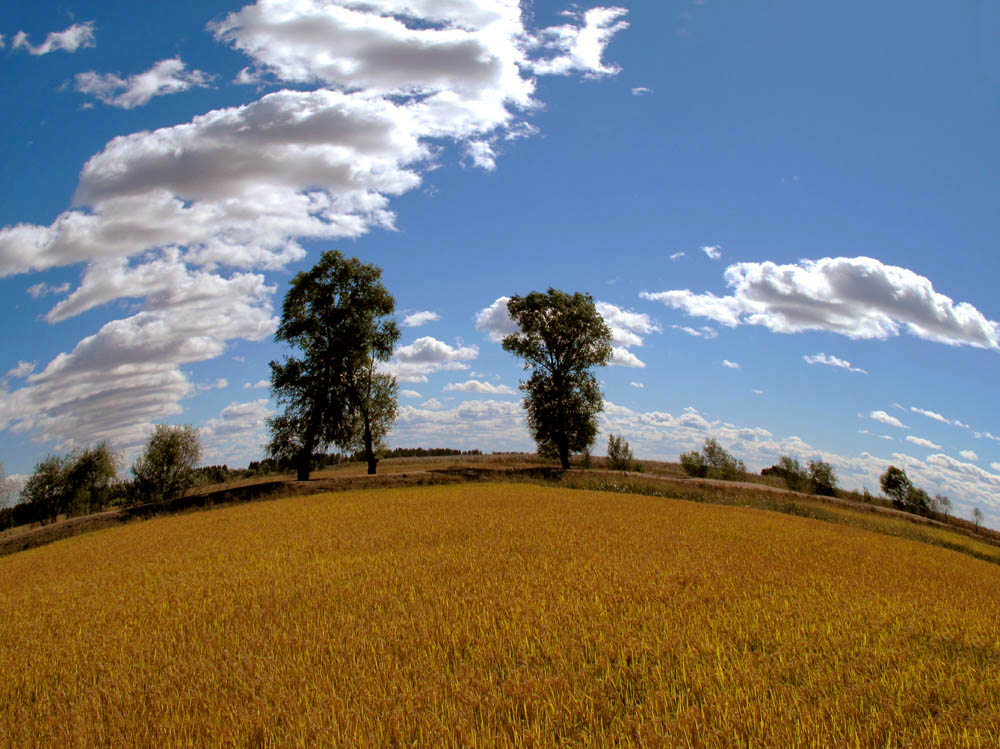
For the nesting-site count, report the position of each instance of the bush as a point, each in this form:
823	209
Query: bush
165	470
713	462
791	472
619	454
47	489
822	479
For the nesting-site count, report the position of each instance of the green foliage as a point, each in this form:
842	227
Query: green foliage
90	476
713	462
165	470
561	338
822	479
791	472
338	314
47	489
896	485
619	454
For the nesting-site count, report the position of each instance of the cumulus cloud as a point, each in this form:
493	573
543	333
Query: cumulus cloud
410	394
831	361
237	434
476	386
922	442
420	318
730	364
165	77
472	424
495	320
370	91
68	40
995	466
856	297
259	385
887	419
969	454
713	251
427	355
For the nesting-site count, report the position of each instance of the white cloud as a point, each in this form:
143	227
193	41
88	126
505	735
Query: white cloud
68	40
641	91
22	370
856	297
581	47
220	384
2	43
730	364
938	417
259	385
922	442
622	357
713	251
887	419
627	326
995	466
475	386
969	454
158	213
495	320
472	424
428	355
165	77
706	332
637	385
757	392
420	318
433	404
831	361
410	394
43	289
237	435
677	255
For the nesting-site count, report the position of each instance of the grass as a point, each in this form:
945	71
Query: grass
497	614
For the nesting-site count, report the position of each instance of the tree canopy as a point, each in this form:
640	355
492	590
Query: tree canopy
562	336
339	316
165	470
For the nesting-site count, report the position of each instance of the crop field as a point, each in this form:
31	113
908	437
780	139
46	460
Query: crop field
497	614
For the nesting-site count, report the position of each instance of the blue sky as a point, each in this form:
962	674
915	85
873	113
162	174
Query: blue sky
788	215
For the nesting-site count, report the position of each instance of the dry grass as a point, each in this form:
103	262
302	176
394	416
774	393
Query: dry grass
496	614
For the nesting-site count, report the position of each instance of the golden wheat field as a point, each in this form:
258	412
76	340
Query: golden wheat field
483	615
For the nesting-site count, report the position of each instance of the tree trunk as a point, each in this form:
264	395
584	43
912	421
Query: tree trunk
564	454
304	461
369	452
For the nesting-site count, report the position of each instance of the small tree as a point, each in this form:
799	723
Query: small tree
89	477
822	479
165	469
977	517
47	489
942	504
562	337
619	454
918	501
896	485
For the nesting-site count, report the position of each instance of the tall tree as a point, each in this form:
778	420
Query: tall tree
339	315
165	470
562	337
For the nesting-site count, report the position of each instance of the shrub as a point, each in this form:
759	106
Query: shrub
791	472
714	462
619	454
